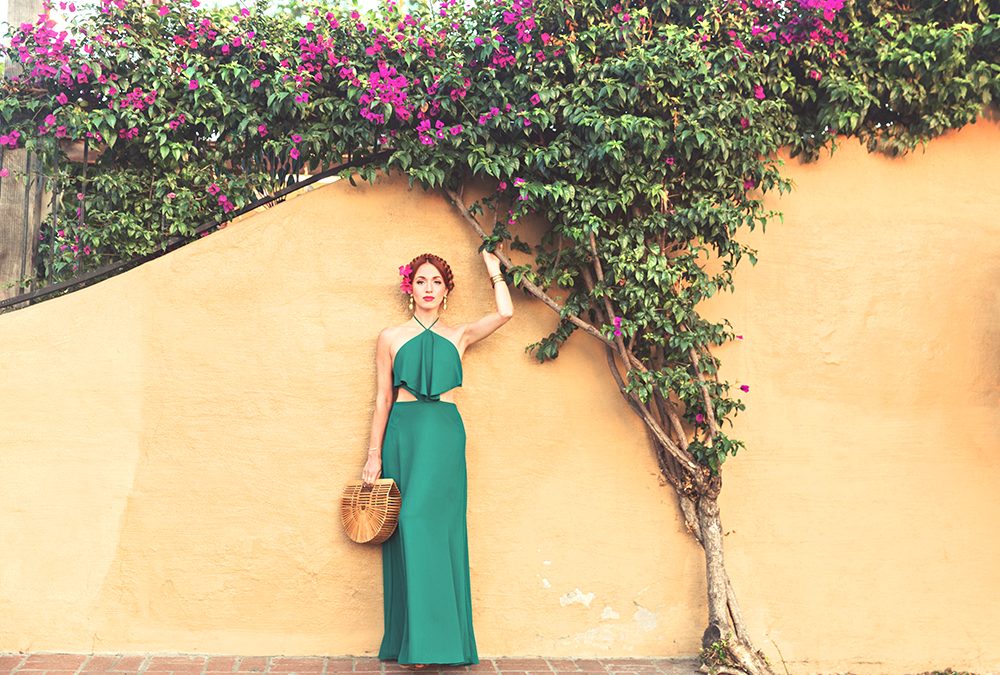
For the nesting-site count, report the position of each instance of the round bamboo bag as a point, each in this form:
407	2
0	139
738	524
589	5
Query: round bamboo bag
369	514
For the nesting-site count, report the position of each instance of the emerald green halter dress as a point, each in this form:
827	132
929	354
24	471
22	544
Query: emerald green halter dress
425	563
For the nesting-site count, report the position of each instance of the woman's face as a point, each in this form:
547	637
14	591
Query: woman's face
428	286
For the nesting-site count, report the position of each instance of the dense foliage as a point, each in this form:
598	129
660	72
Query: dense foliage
643	132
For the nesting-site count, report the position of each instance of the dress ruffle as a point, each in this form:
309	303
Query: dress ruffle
427	365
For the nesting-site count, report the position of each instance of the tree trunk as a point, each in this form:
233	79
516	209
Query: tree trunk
725	643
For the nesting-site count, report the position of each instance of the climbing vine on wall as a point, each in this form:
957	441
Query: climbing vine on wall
644	133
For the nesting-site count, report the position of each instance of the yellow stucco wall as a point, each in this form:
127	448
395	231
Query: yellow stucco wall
175	439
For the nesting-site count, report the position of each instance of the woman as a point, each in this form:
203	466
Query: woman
425	563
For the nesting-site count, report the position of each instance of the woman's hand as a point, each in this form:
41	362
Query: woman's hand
491	260
373	467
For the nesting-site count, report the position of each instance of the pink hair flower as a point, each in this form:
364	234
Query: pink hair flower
745	387
405	286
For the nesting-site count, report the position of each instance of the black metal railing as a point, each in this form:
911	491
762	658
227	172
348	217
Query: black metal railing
33	194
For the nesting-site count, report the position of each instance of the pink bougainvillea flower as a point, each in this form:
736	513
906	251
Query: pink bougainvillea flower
294	153
4	172
62	98
193	84
255	84
296	138
518	181
171	195
262	129
502	186
405	271
535	99
758	91
670	160
699	418
164	10
213	189
745	387
744	122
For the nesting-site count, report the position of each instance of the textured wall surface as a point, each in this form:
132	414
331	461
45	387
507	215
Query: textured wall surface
175	439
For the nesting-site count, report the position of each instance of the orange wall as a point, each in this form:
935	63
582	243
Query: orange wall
175	439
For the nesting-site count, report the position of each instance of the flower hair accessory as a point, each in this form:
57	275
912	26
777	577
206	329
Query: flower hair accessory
405	285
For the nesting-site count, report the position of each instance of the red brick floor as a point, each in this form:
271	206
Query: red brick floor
189	664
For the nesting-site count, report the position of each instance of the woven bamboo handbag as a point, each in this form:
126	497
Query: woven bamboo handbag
370	514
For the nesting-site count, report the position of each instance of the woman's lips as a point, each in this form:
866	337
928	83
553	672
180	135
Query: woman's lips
428	297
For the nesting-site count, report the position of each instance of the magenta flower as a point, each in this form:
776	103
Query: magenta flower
739	337
535	99
405	271
699	418
62	98
617	321
4	172
744	122
670	160
758	91
255	84
518	181
262	130
296	138
164	10
171	195
502	186
213	189
745	387
294	153
193	84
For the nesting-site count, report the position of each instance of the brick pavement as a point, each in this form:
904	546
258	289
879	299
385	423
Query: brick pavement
192	664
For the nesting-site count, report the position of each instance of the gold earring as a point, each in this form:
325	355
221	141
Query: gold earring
411	302
445	303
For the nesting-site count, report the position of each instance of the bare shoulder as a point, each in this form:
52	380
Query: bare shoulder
389	334
452	331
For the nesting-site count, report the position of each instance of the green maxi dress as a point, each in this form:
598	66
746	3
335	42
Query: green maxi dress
425	563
